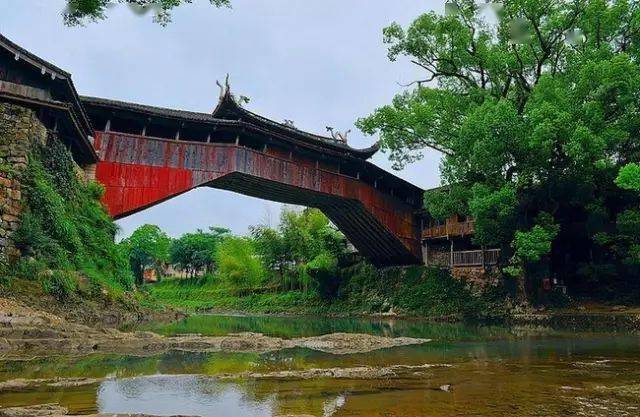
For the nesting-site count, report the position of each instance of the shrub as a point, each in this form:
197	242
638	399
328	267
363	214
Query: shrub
323	272
64	225
61	284
435	293
238	263
28	268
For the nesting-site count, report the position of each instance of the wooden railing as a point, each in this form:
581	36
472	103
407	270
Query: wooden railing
476	257
465	258
449	229
434	232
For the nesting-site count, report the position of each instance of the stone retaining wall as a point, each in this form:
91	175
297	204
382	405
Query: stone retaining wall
20	131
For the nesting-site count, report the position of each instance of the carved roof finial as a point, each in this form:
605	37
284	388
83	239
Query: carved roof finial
224	89
337	135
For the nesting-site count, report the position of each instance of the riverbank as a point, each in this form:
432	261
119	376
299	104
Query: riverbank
424	292
192	297
97	309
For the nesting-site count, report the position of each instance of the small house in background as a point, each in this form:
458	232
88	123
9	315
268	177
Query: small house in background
150	275
448	243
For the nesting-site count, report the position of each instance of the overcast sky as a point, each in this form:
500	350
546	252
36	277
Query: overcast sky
317	62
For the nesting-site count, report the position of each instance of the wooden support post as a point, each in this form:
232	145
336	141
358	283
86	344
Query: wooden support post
290	154
375	183
178	134
144	130
209	138
358	175
426	255
317	164
451	253
237	140
107	126
264	148
55	125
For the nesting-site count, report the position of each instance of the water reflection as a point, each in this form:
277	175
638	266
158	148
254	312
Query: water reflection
179	395
304	326
495	372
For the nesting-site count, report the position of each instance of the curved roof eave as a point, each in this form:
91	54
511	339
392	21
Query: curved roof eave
227	104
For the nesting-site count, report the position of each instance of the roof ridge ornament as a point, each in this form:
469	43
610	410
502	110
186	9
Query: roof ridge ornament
289	123
225	91
337	135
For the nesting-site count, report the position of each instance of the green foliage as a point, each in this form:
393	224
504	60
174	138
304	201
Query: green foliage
301	237
64	226
541	120
29	268
442	203
434	293
495	214
196	251
59	283
147	247
532	245
237	262
628	222
323	271
80	11
629	177
273	250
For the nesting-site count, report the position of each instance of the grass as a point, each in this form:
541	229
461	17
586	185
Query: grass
197	294
414	291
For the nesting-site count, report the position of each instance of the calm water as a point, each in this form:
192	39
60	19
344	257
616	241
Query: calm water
494	371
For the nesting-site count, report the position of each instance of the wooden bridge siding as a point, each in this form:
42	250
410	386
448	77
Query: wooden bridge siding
139	172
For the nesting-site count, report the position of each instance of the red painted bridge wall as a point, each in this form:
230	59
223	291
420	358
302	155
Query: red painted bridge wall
139	172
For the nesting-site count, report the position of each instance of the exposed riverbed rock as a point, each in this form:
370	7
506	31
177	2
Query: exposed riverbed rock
55	410
21	384
25	332
357	372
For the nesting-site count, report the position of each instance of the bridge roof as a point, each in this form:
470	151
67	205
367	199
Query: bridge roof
228	112
228	108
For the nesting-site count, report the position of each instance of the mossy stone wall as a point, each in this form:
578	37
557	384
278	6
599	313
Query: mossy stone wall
20	132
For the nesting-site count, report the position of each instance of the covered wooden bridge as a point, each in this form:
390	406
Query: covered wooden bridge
150	154
145	155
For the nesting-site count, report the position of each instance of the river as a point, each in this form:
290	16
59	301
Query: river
464	371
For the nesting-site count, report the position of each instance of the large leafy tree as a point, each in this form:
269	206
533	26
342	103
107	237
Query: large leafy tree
194	252
78	12
534	106
147	247
303	243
